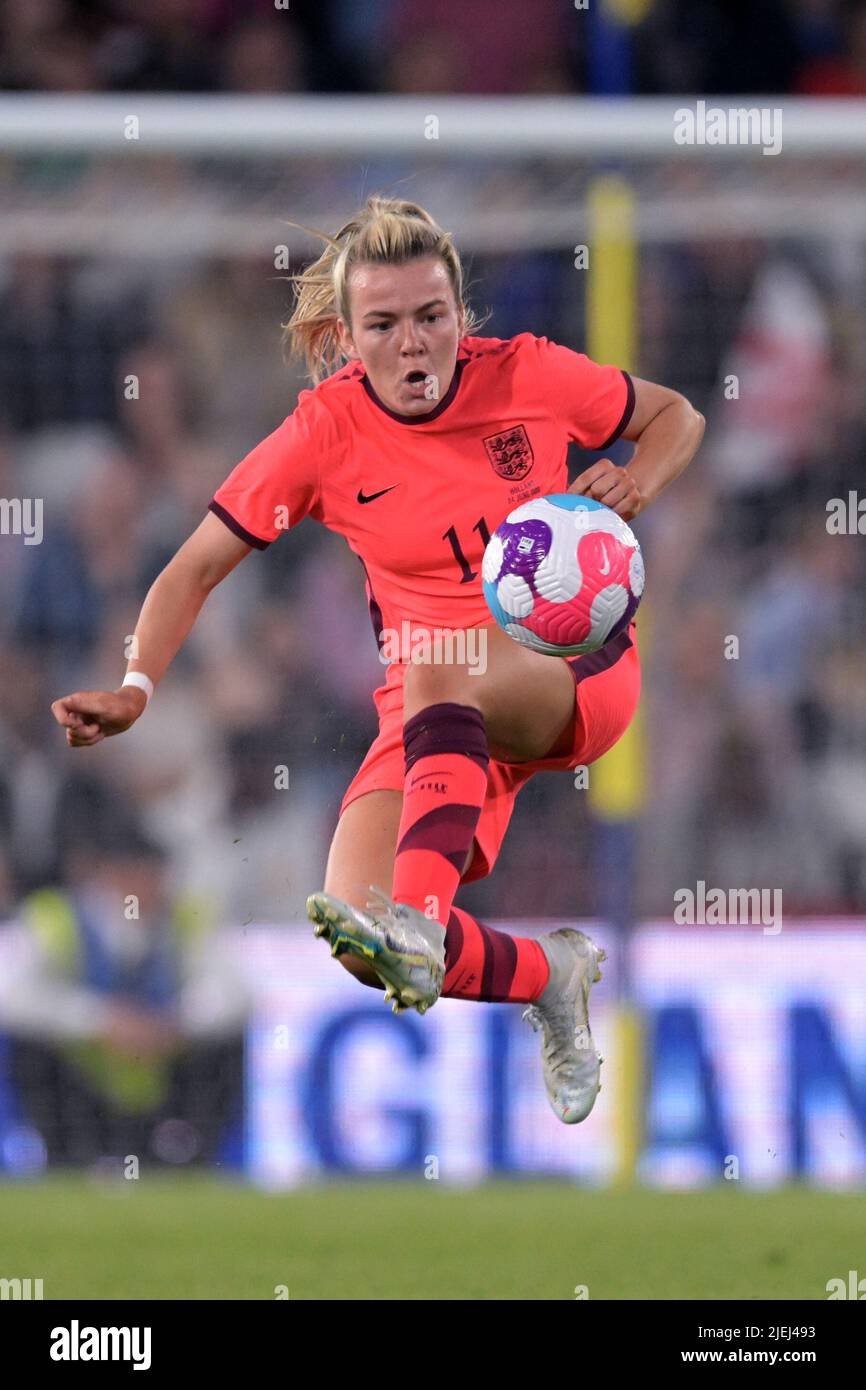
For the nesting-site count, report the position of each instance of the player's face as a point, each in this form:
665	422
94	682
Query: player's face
405	329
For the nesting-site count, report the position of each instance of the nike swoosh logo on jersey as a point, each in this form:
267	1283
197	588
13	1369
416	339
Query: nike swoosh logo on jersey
373	495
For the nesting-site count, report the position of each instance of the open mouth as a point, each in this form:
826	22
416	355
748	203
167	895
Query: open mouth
414	378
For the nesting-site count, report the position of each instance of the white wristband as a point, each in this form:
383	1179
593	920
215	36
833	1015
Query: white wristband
139	679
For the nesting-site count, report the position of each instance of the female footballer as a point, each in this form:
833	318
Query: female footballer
415	442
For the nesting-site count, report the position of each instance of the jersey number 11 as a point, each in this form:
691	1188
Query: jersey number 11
468	574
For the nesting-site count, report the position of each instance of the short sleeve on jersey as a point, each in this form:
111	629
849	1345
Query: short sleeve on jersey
276	485
594	403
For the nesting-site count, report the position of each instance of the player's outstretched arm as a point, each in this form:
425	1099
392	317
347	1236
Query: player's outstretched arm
167	615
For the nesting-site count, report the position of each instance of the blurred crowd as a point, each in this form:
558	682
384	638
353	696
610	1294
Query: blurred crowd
124	407
414	46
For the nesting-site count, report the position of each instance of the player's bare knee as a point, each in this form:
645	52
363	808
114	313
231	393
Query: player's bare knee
428	684
433	684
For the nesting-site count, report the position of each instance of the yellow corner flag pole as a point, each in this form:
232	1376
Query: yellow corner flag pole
617	787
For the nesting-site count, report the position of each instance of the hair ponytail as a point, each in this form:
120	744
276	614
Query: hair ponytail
386	231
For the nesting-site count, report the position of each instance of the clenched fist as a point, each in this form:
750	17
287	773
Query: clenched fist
89	716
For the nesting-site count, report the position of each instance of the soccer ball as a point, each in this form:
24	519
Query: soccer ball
563	574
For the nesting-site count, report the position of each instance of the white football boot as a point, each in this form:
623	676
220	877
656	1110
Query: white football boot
571	1064
405	948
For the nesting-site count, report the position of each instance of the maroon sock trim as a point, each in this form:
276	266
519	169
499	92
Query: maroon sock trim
453	942
500	963
436	831
446	728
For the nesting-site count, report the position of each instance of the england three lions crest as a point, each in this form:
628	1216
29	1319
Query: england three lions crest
510	453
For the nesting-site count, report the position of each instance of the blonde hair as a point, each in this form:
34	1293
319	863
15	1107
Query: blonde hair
386	231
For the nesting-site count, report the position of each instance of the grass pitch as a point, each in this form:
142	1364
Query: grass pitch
200	1238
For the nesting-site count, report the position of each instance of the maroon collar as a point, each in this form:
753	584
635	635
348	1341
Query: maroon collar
432	414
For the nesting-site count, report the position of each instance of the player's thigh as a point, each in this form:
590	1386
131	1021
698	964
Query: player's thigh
527	699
